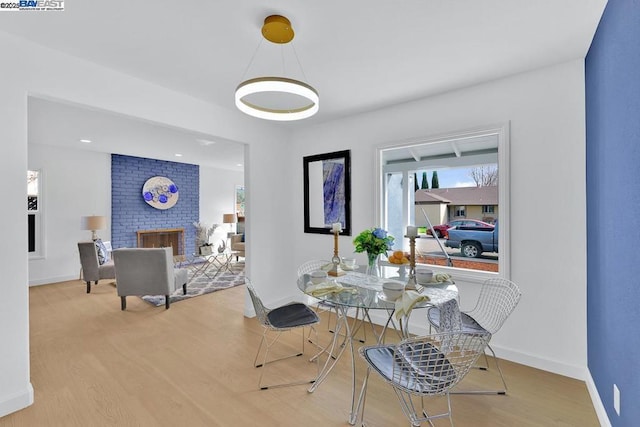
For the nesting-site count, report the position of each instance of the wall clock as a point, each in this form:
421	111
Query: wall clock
160	192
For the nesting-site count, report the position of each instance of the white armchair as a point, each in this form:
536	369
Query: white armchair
147	271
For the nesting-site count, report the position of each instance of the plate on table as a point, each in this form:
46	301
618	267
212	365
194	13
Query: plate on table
354	268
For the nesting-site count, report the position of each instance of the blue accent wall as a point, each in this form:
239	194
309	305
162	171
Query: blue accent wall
129	211
613	215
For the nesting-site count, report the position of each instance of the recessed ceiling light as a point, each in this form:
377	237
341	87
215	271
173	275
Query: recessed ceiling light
239	164
86	141
178	155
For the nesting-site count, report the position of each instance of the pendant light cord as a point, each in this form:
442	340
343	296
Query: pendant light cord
304	77
255	52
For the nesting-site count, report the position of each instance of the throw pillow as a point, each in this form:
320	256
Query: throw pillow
103	255
242	239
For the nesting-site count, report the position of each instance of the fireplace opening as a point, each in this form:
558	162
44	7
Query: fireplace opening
163	238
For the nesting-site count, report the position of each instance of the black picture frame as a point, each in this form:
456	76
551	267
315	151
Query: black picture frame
314	197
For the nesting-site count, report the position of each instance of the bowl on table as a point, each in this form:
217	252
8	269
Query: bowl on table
392	290
350	263
318	276
424	276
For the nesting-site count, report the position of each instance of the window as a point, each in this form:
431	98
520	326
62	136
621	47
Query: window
34	214
434	181
487	209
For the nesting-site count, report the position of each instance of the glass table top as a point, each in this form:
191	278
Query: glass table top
364	291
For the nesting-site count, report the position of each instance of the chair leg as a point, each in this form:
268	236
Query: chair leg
504	383
167	302
123	303
419	415
268	344
184	289
88	287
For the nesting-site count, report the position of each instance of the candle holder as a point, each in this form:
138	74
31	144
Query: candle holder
335	270
411	282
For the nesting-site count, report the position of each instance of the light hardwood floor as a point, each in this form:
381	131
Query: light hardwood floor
191	365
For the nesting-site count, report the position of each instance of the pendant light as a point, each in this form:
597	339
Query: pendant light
277	98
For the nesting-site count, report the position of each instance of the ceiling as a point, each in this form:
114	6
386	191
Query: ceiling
66	125
360	55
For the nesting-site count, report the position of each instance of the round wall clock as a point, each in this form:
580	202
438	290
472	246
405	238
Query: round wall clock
160	192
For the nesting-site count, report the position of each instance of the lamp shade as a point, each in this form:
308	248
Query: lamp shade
95	222
229	218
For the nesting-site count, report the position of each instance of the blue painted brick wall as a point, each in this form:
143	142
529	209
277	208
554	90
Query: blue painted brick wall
129	211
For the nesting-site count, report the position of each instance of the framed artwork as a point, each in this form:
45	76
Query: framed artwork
327	192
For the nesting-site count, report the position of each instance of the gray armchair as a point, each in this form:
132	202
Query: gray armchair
92	271
147	271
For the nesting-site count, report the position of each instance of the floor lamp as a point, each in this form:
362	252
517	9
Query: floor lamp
230	219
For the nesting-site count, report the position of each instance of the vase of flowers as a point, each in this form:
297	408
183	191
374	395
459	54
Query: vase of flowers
203	233
374	241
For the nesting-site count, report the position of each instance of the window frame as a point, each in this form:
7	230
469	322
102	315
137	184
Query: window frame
39	252
488	209
502	132
460	211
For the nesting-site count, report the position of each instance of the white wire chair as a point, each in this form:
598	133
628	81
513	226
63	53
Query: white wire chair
324	306
277	320
497	300
420	367
321	306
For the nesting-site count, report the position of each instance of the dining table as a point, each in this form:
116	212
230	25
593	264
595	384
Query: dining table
355	290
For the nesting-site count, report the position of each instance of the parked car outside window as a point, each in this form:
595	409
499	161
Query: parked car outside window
441	229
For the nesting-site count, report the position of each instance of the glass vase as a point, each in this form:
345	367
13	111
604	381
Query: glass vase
373	267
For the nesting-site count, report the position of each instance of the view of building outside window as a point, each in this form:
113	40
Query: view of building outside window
448	192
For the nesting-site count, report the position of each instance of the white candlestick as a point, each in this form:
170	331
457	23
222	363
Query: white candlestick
336	227
412	231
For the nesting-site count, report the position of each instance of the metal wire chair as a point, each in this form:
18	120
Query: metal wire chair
324	306
425	366
497	300
281	319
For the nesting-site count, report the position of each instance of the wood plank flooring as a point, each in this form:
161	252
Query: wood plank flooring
192	365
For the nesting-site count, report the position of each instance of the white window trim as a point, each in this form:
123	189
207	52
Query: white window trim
502	131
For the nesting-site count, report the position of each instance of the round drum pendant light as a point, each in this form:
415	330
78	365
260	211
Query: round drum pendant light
277	98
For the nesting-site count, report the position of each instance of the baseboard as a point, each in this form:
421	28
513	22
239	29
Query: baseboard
49	280
601	412
549	365
17	402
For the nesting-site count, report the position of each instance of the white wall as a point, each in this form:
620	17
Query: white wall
77	183
72	79
546	112
217	197
15	389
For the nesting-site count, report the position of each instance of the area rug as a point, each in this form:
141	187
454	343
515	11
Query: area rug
203	285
